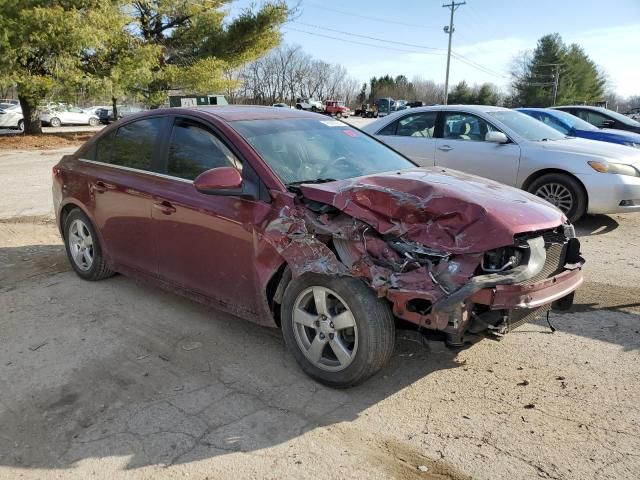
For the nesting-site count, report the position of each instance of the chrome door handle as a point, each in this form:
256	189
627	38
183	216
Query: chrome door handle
165	207
99	187
445	148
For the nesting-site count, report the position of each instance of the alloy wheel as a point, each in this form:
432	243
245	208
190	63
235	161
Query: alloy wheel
81	245
557	195
325	329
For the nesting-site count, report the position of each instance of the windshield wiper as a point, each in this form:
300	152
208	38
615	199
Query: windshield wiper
314	180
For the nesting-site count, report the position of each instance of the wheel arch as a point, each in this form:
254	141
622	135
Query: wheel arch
536	175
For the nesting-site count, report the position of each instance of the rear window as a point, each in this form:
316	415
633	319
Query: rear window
134	143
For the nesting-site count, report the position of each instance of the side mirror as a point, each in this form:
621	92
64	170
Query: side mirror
496	137
219	181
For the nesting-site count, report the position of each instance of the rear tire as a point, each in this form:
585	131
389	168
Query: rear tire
83	247
357	325
94	122
55	122
21	125
562	191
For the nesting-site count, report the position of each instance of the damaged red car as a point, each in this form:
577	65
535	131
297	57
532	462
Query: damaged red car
290	219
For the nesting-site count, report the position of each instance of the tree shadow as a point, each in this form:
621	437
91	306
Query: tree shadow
120	369
595	225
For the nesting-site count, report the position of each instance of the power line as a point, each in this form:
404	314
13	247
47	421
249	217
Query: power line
476	65
368	17
368	37
287	27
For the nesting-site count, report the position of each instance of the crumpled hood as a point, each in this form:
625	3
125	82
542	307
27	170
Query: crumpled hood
440	208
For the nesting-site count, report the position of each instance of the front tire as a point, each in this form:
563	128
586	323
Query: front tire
21	125
339	332
55	122
83	247
94	122
563	191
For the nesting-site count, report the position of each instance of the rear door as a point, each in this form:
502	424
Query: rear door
206	242
124	175
462	146
413	135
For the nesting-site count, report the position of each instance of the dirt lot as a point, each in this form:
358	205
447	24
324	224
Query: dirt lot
119	380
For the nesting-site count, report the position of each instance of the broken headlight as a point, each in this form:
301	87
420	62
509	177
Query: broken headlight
501	259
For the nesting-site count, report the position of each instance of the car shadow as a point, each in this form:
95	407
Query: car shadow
595	225
119	368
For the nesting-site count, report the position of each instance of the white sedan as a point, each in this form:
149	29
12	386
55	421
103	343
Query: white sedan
65	115
576	175
11	116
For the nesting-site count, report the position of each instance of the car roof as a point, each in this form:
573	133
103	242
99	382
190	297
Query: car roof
232	113
466	108
587	107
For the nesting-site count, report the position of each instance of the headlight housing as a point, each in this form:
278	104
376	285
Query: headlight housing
615	168
632	144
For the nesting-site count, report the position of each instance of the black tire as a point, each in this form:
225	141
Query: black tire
314	109
21	125
94	122
99	268
571	184
373	319
55	122
298	106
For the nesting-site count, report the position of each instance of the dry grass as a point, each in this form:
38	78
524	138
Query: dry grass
47	141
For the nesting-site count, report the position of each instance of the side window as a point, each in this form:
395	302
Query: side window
134	143
598	119
583	114
464	126
103	148
417	125
194	149
389	129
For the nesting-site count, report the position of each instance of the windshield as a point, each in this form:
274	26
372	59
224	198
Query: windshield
310	150
526	126
618	116
573	121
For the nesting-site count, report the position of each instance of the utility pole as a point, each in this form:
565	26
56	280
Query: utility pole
453	6
556	79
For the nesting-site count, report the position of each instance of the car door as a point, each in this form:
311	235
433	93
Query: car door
122	180
413	136
5	118
462	146
206	242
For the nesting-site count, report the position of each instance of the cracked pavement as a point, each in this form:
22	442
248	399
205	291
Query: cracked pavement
117	379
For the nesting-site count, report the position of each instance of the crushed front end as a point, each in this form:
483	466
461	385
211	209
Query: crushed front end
447	258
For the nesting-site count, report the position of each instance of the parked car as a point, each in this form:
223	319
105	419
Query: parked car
281	105
577	175
368	110
235	206
106	114
602	118
401	105
93	110
573	126
309	104
67	115
385	106
11	116
336	109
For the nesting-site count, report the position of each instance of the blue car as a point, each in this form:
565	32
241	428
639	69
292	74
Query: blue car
576	127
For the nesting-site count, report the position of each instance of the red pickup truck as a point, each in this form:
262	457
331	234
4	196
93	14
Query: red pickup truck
337	109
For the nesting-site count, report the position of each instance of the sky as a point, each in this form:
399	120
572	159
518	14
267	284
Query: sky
488	35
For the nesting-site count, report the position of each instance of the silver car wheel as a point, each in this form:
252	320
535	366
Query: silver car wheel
557	195
81	245
325	329
55	122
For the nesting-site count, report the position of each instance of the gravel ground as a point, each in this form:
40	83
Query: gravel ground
119	380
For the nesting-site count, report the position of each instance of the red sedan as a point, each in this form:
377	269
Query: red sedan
290	219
